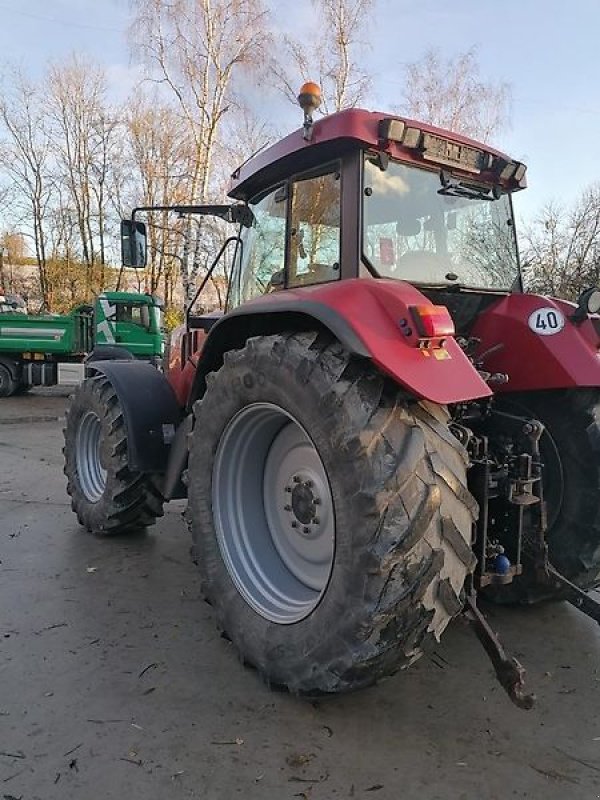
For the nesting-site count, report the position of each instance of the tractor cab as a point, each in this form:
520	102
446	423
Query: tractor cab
132	321
362	194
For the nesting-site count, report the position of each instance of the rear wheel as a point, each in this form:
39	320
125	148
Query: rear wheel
329	514
106	495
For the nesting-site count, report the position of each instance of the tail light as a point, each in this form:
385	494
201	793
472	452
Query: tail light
432	322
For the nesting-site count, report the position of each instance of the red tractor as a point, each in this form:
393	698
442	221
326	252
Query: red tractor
382	423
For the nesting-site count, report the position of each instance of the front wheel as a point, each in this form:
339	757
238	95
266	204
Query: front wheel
8	385
106	495
329	514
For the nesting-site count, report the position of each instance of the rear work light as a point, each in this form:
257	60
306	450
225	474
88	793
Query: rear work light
432	322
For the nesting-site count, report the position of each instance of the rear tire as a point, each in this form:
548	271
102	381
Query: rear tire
106	495
395	479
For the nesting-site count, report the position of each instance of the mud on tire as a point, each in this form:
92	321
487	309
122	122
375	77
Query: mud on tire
106	495
403	515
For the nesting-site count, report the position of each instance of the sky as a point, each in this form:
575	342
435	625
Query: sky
546	50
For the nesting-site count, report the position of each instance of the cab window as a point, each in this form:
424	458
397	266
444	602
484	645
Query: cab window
134	313
260	261
315	230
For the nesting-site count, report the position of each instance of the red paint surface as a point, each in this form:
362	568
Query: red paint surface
361	127
181	376
565	359
373	309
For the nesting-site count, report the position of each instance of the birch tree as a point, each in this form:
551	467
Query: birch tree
195	49
333	56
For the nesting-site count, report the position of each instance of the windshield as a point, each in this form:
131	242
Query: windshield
413	232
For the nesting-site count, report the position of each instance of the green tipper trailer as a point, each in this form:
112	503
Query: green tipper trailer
52	349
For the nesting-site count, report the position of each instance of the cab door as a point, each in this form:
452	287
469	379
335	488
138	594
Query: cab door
133	328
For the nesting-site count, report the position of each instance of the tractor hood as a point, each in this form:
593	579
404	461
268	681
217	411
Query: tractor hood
534	341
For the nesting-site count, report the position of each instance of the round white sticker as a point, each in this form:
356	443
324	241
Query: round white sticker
546	321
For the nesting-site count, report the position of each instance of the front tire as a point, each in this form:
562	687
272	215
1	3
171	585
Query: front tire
293	419
8	385
106	495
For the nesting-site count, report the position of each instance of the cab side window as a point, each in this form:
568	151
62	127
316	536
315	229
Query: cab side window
315	230
260	261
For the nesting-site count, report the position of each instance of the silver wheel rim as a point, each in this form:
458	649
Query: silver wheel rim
92	475
274	513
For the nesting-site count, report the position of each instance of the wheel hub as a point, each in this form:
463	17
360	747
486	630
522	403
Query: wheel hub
303	501
268	482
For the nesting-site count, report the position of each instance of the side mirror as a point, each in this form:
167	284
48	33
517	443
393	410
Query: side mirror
133	244
588	303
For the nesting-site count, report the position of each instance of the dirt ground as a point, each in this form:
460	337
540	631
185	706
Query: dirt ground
115	684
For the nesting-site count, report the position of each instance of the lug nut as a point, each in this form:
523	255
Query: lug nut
316	501
288	488
316	520
308	484
287	508
294	524
296	479
306	529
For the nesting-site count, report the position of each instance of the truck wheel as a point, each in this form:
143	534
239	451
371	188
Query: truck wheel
106	495
570	450
329	514
8	385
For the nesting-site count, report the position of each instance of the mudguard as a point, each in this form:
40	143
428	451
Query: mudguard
365	316
150	411
533	340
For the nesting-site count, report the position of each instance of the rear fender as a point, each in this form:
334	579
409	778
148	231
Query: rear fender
364	315
517	339
150	411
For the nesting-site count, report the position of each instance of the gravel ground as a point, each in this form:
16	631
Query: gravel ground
114	682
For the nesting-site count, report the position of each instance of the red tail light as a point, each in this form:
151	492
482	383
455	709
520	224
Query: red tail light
432	322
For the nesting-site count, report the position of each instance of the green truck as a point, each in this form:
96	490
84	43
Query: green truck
52	349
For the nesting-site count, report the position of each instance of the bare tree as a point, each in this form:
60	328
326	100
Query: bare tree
333	56
451	93
84	139
160	152
562	247
196	48
25	156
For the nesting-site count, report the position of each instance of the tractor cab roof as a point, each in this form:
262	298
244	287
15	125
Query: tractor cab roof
405	139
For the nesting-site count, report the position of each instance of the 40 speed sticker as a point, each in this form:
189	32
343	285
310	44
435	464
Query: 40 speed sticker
546	321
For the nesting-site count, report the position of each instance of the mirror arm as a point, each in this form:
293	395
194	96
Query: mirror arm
209	272
239	213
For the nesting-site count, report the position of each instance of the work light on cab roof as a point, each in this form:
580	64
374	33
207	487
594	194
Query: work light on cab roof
309	99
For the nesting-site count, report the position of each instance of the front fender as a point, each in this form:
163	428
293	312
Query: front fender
364	315
150	411
536	357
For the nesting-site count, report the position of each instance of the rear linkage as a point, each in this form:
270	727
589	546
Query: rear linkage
516	480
